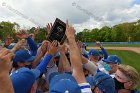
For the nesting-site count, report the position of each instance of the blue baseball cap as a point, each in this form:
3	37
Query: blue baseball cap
113	59
103	81
85	55
23	79
22	56
60	83
94	52
11	45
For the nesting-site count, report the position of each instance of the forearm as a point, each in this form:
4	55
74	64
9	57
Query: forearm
32	44
65	62
13	50
75	59
38	58
42	66
91	67
84	60
75	54
60	66
104	52
5	84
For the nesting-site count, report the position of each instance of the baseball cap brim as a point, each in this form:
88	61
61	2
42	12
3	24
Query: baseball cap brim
10	46
31	59
105	60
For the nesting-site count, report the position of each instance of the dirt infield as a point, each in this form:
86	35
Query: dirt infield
135	49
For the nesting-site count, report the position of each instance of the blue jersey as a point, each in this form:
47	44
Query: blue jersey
135	91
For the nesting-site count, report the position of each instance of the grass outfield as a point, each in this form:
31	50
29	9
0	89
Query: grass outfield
116	45
128	57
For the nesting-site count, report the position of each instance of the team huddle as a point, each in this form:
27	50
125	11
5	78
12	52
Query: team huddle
51	67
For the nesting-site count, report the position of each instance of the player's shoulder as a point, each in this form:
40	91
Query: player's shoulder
135	91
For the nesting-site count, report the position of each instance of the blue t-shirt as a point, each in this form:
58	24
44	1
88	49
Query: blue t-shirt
135	91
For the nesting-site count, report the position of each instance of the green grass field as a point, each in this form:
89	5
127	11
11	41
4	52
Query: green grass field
117	45
128	57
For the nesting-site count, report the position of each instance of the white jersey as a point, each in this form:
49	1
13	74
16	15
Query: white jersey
112	75
101	66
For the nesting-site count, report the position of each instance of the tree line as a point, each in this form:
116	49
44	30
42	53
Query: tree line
124	32
8	29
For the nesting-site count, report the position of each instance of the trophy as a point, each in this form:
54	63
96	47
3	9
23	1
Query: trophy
57	32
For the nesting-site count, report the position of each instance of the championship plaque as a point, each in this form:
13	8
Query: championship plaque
57	32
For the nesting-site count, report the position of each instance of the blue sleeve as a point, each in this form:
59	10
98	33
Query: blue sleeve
37	91
98	70
135	91
44	63
32	45
104	52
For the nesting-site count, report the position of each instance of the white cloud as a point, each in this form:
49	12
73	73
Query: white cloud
81	13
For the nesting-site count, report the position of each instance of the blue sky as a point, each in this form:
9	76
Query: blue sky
136	2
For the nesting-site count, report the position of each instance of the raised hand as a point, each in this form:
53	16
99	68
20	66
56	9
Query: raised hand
53	47
75	56
22	34
49	27
44	46
5	60
99	44
5	67
70	31
18	45
36	31
63	48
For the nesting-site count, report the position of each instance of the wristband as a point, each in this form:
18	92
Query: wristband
85	87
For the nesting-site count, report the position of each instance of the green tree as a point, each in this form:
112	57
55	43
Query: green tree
79	36
104	34
41	35
128	28
117	34
94	35
8	28
86	35
137	31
